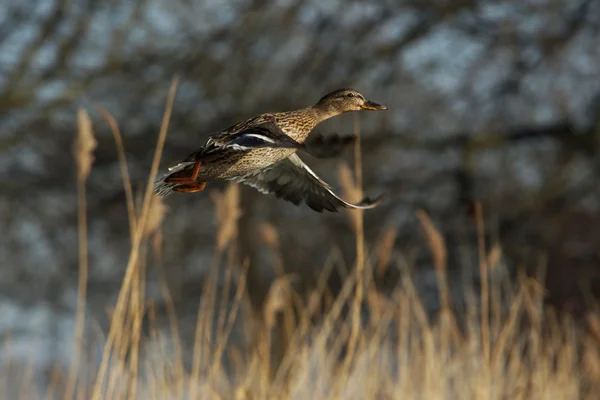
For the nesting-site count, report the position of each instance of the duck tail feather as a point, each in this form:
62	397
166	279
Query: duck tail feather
162	188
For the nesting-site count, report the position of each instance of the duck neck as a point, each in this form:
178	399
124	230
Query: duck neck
306	120
324	111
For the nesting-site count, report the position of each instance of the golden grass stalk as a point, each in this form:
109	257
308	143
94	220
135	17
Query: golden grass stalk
385	246
225	329
437	246
279	299
114	127
203	333
352	186
483	267
84	146
118	318
270	237
83	151
228	212
156	213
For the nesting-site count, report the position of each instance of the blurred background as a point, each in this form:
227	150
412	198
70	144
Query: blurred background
494	101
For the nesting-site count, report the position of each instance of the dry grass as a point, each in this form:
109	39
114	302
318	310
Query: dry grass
504	346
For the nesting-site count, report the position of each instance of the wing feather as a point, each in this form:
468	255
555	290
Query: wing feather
292	180
252	135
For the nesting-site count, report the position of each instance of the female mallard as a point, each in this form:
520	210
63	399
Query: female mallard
260	152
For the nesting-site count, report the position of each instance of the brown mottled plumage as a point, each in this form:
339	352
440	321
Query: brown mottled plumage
260	152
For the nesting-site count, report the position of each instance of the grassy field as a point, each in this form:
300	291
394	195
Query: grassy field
359	344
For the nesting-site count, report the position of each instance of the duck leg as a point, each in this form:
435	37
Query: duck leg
188	184
186	180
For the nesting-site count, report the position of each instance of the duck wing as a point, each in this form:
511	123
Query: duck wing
257	132
257	135
321	146
292	180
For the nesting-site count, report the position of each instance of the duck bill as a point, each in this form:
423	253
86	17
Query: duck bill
371	105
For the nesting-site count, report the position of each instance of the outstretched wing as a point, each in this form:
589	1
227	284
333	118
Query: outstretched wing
320	146
292	180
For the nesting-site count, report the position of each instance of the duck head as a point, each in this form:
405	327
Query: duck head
345	100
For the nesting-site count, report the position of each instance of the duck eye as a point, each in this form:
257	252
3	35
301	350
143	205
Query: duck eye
350	95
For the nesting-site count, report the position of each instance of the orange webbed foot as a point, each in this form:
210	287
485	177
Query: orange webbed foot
190	188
